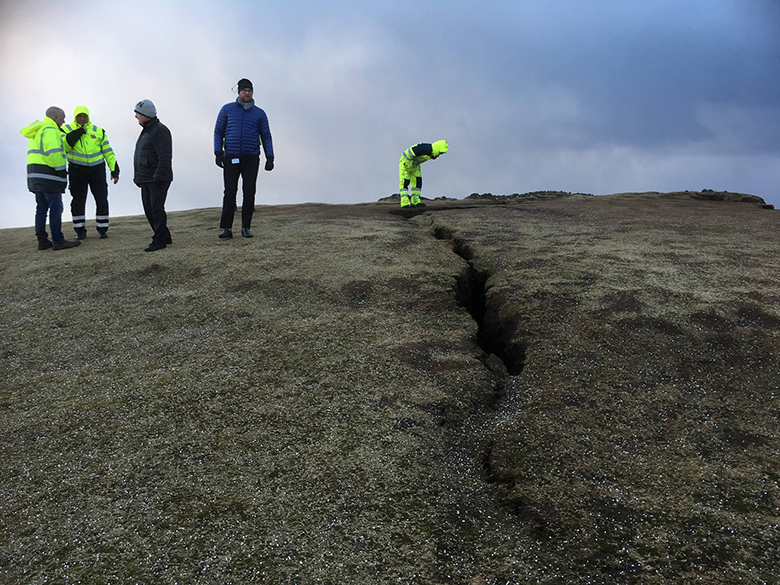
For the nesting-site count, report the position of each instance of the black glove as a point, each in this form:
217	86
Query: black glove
73	136
269	163
220	156
115	172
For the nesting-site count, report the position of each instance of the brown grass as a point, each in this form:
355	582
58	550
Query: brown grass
311	405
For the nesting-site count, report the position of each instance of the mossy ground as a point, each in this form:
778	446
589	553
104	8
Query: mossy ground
310	405
641	438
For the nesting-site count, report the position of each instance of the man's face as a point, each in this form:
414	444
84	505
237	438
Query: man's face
82	119
245	95
141	118
59	118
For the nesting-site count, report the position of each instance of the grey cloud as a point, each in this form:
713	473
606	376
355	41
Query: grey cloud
639	76
600	96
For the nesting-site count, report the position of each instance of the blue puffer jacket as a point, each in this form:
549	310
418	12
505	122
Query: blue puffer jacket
242	131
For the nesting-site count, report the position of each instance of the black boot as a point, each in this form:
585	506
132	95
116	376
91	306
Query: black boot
245	233
154	246
64	245
81	233
103	233
225	233
44	243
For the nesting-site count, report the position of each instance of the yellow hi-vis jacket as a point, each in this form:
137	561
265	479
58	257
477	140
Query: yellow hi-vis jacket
423	152
46	172
92	147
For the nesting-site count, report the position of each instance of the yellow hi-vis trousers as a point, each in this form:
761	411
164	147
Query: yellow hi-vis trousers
409	175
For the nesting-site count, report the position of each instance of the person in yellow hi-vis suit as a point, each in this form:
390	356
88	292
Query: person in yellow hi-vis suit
47	177
88	151
409	169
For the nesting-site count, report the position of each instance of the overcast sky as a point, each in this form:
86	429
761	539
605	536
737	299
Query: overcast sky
603	96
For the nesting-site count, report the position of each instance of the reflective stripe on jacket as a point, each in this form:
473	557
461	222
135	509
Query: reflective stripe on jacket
92	147
418	154
46	172
424	151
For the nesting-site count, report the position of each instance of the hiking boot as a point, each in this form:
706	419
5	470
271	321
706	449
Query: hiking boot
103	233
44	243
81	233
64	245
405	201
416	202
245	233
225	233
154	246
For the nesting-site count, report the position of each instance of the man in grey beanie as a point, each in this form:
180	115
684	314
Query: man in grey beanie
153	171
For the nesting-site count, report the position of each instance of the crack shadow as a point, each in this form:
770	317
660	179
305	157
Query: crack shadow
505	356
495	332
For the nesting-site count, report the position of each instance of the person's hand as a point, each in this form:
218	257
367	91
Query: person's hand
220	156
269	163
115	178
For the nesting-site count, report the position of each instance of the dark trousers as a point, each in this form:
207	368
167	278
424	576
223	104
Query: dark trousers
80	178
246	168
153	196
49	204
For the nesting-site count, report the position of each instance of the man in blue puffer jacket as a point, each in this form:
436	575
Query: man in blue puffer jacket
240	130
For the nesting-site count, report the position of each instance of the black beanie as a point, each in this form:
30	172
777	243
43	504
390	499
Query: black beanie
245	84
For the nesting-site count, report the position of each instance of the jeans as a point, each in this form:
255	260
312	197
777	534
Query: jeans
247	170
49	204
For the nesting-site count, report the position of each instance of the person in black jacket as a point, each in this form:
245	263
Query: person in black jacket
153	171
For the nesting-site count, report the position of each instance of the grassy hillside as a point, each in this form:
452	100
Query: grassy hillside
578	390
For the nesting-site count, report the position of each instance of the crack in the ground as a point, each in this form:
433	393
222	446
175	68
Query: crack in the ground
505	357
495	332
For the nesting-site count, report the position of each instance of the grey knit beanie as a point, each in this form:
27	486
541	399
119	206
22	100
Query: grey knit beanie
146	108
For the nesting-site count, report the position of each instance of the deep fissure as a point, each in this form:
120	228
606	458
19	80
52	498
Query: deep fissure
495	332
496	336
